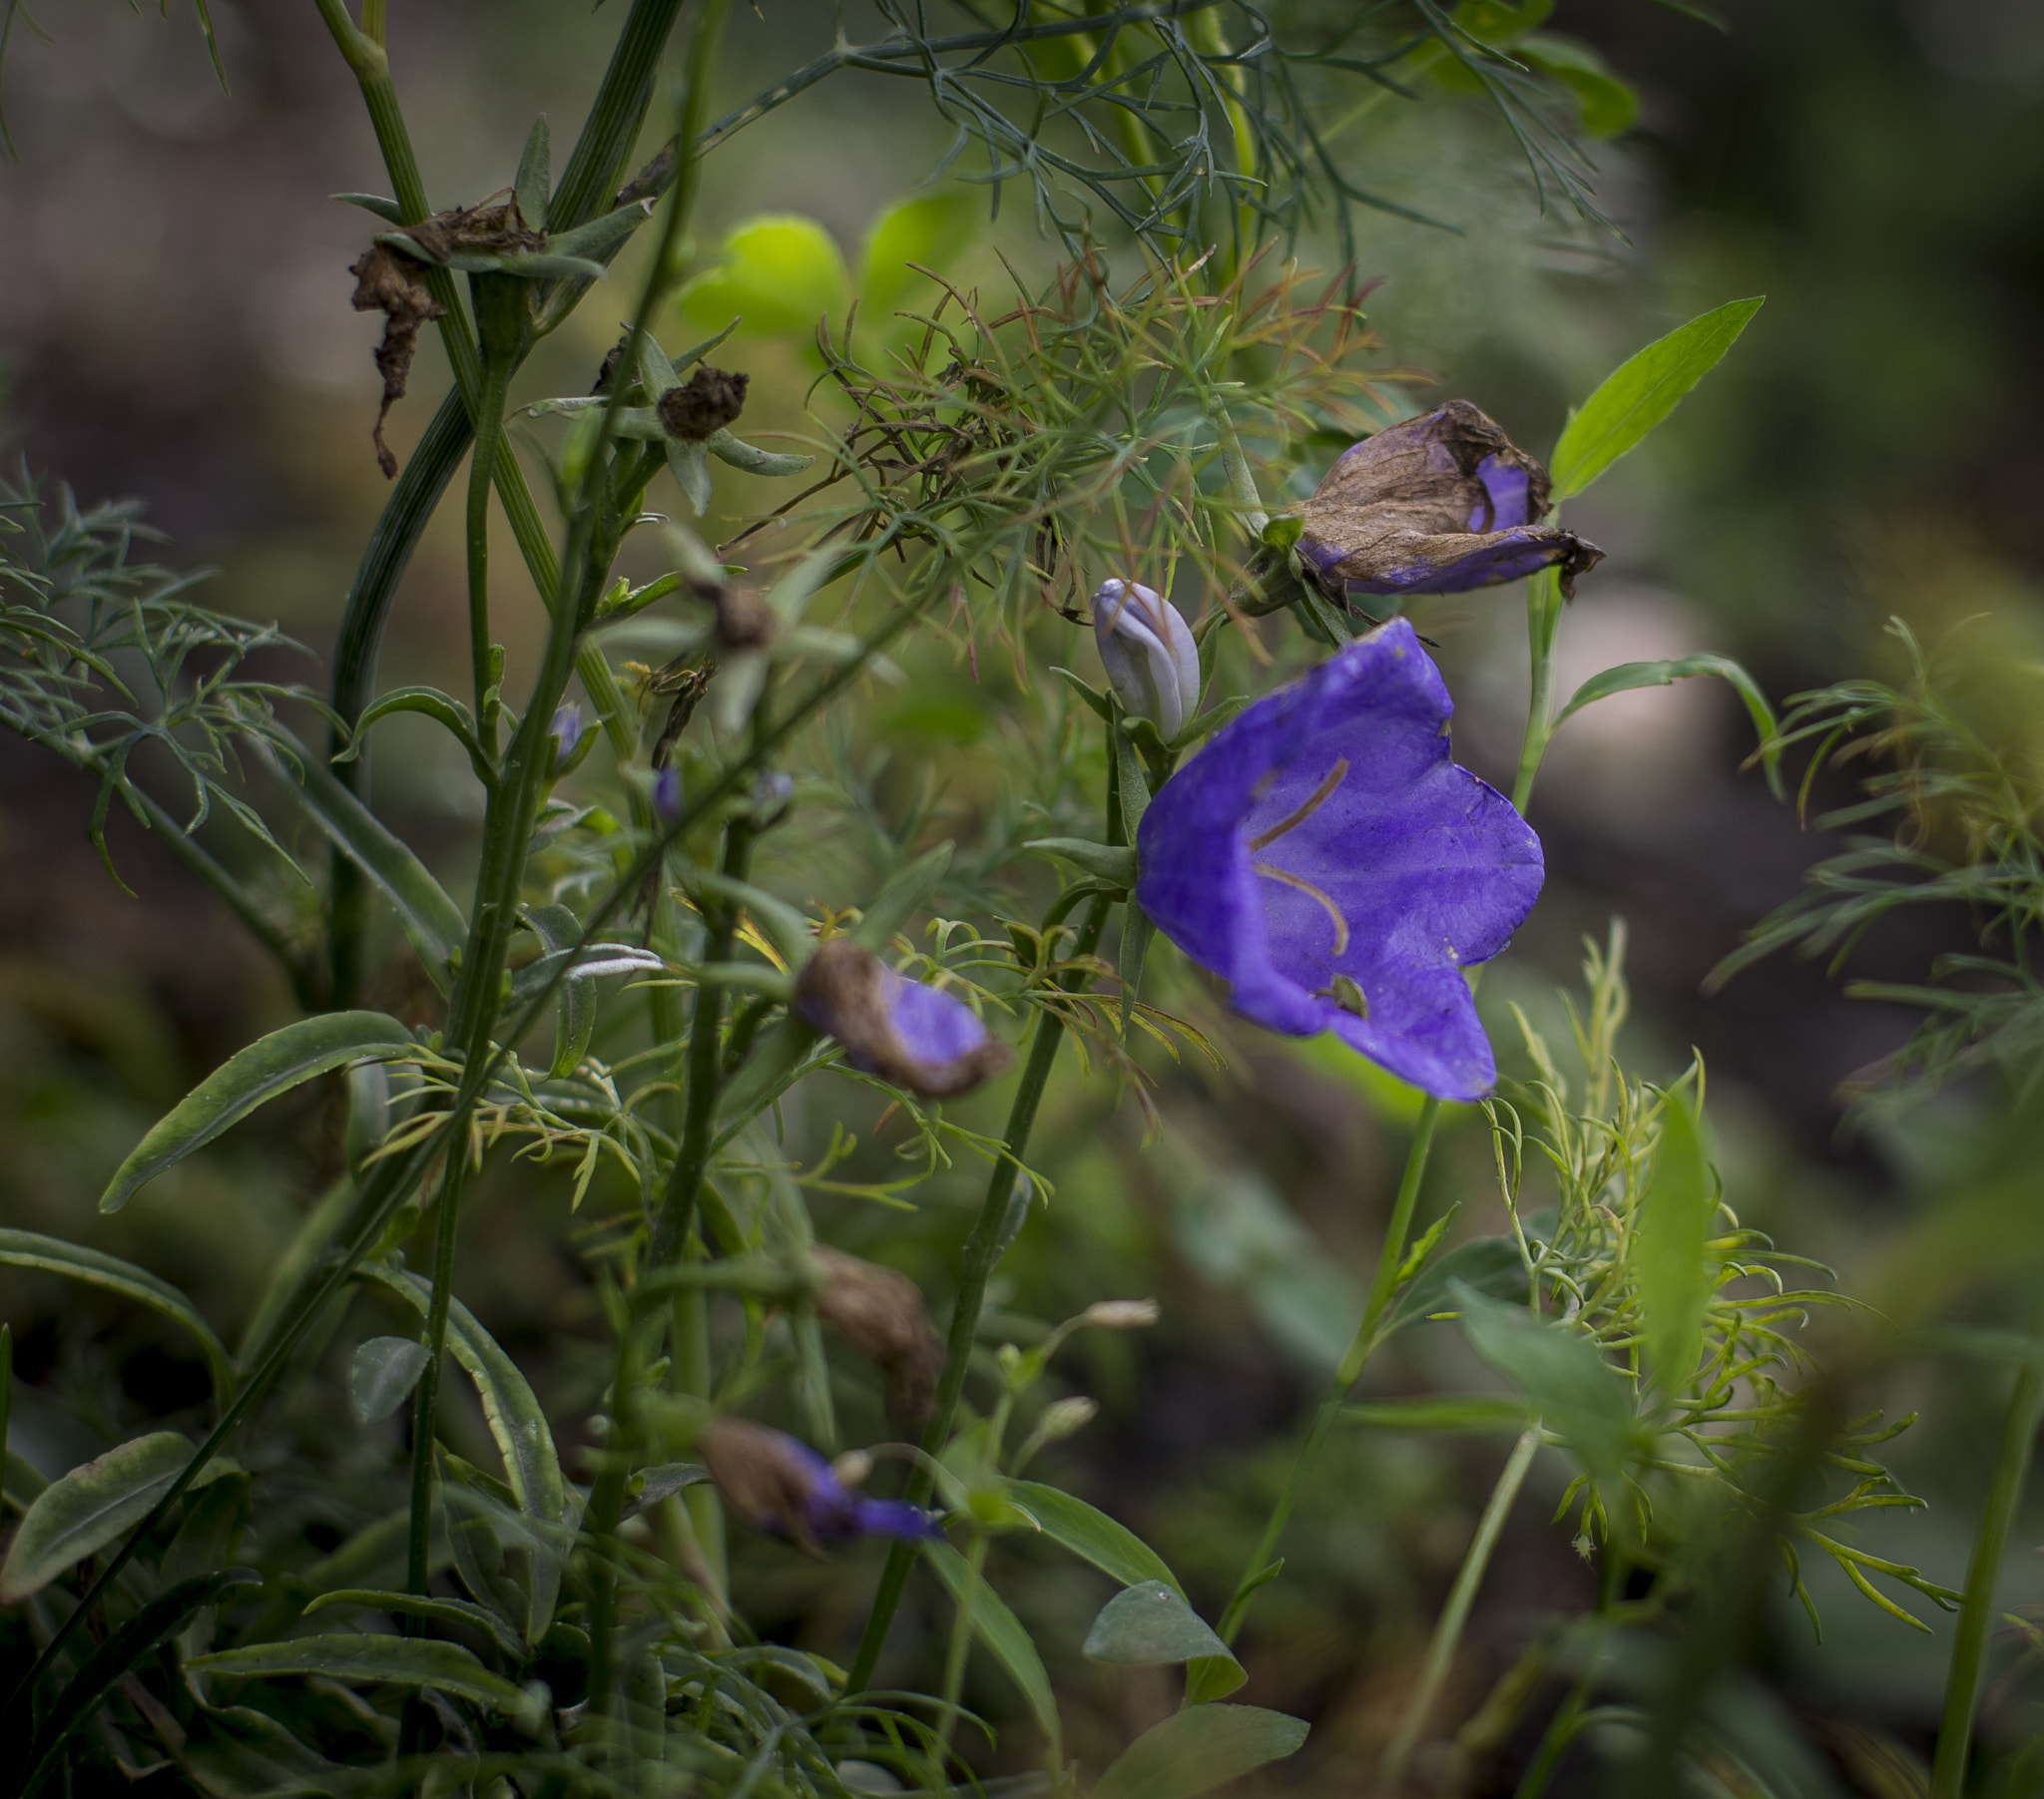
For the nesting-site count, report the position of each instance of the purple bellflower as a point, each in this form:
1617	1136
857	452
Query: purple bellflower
915	1036
783	1487
1147	649
1437	505
1327	859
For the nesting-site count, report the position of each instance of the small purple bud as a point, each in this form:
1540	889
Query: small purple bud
667	792
566	731
771	790
1148	652
903	1031
783	1487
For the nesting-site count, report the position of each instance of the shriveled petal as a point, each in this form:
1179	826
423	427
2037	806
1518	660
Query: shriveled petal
1437	505
1326	857
916	1036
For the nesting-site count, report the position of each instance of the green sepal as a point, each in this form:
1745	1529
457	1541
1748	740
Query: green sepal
535	179
387	209
1113	862
1092	695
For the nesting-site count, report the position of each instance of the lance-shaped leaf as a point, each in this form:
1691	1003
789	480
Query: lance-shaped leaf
442	1611
1091	1535
28	1249
1642	391
1196	1750
1627	677
1669	1248
534	180
398	1660
151	1627
1579	1396
268	1066
1150	1624
381	1373
897	902
1002	1632
742	455
431	920
1112	862
386	209
444	709
531	1463
84	1511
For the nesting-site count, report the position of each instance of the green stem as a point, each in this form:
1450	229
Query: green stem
1983	1570
1568	1717
1447	1632
955	1653
489	422
1543	614
982	1251
425	1405
1359	1352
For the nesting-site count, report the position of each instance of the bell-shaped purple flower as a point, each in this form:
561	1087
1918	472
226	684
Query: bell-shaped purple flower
1325	857
1437	505
916	1036
1147	649
781	1486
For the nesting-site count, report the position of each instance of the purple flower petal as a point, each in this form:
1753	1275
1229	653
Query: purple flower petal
1437	505
779	1485
903	1031
1325	856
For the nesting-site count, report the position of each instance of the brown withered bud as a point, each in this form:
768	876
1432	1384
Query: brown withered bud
907	1031
779	1485
743	620
393	285
704	404
882	1315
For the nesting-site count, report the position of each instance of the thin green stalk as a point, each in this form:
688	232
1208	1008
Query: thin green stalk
1382	1287
489	433
982	1250
1983	1570
1447	1631
1543	614
955	1653
1562	1727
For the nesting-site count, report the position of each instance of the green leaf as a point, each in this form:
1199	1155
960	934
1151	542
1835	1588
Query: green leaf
535	175
1150	1624
236	1752
1087	692
1489	1265
268	1066
1137	931
777	1053
1002	1632
783	925
1439	1412
28	1249
742	455
85	1510
931	232
1641	392
1198	1749
1609	104
1670	1231
780	274
687	461
1580	1397
411	1605
593	239
1103	861
1091	1535
513	1413
446	712
433	921
398	1660
386	209
151	1627
381	1373
1627	677
899	901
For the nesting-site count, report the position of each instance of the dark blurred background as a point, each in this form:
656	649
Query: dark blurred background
175	327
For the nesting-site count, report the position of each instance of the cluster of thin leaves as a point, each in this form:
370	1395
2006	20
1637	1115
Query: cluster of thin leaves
1965	827
1730	1420
101	655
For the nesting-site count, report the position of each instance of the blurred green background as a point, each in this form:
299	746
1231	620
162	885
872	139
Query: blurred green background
173	325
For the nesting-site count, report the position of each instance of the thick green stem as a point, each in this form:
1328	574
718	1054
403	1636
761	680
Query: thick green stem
482	461
1983	1570
982	1251
1447	1631
1359	1352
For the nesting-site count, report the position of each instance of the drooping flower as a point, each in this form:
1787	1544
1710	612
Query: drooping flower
781	1486
1151	662
903	1031
1325	857
1437	505
881	1313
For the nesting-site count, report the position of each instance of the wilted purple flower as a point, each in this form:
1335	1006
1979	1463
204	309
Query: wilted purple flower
1151	662
1437	505
781	1486
667	792
1326	858
566	731
903	1031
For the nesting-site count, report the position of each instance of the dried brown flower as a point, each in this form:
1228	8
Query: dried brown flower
702	405
882	1315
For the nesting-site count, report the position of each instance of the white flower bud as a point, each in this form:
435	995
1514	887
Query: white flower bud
1064	1418
1147	651
1121	1314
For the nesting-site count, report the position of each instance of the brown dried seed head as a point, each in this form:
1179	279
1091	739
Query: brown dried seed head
882	1315
702	405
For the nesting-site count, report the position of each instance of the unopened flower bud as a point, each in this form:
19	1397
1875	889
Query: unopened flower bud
770	791
566	731
702	405
1121	1314
903	1031
852	1468
667	793
882	1315
1149	654
743	620
1066	1418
